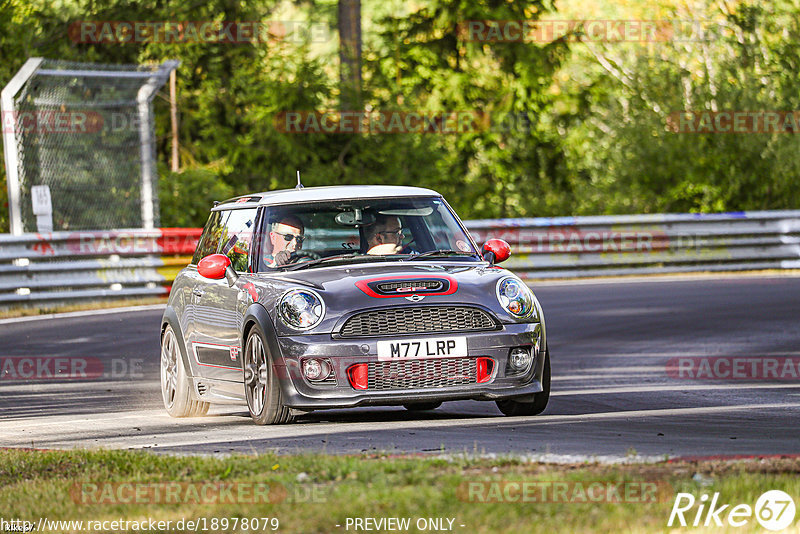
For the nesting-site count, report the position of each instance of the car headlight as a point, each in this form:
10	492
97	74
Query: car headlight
301	309
515	297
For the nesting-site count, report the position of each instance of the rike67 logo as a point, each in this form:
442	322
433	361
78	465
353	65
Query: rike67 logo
774	510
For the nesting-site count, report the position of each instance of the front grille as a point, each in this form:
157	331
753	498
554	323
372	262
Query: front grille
417	320
414	374
417	285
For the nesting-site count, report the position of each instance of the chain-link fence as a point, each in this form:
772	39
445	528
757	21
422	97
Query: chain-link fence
80	145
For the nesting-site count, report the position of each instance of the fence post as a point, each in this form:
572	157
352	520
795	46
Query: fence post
7	110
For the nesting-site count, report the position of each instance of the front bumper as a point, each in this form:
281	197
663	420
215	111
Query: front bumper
300	393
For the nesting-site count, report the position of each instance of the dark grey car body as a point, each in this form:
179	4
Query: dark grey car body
212	318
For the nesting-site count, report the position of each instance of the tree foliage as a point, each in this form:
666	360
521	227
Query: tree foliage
629	158
576	128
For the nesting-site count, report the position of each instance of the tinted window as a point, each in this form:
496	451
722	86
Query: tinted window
388	229
210	239
445	231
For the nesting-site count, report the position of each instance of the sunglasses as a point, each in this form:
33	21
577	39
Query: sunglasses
393	232
289	237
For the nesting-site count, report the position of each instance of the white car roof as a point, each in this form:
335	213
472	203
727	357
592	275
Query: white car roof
335	192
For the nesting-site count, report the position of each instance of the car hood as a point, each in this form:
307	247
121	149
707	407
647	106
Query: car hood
346	289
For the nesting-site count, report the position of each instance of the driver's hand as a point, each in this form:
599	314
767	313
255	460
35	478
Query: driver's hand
282	258
384	249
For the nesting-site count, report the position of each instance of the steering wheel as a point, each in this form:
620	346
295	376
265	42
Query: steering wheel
294	256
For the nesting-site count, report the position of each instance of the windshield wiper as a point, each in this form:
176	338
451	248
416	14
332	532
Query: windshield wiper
442	252
353	255
303	265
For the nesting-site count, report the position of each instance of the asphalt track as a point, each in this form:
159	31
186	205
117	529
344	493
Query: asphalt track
613	397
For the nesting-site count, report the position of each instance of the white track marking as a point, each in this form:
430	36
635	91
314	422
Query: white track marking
676	386
159	430
673	277
85	313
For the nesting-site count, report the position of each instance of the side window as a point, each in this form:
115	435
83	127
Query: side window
237	236
210	239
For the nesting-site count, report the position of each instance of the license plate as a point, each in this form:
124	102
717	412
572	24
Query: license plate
440	347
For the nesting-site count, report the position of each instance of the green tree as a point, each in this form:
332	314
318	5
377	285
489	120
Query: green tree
627	157
515	165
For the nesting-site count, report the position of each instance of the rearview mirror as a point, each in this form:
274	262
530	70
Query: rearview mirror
496	251
355	218
213	266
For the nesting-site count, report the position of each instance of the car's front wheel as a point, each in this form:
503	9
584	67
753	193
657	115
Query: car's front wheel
537	403
175	384
264	396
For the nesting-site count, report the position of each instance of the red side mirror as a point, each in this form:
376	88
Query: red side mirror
213	266
499	250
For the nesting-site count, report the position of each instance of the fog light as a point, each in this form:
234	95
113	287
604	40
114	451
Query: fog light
316	369
519	359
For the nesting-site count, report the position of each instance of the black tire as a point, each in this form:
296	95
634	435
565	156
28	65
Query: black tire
537	405
422	406
176	388
263	393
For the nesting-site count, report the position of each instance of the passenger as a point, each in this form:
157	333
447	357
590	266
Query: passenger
384	236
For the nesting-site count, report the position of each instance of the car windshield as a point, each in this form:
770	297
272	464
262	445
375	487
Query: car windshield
355	231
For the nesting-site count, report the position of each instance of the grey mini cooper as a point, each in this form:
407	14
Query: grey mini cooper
332	297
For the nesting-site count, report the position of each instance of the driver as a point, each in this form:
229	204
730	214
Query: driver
385	235
286	237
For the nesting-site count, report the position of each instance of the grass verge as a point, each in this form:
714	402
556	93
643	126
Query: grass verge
314	493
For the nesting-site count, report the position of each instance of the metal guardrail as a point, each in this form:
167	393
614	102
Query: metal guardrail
66	266
571	247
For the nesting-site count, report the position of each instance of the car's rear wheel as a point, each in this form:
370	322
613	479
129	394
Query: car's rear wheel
264	396
422	406
537	403
175	384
